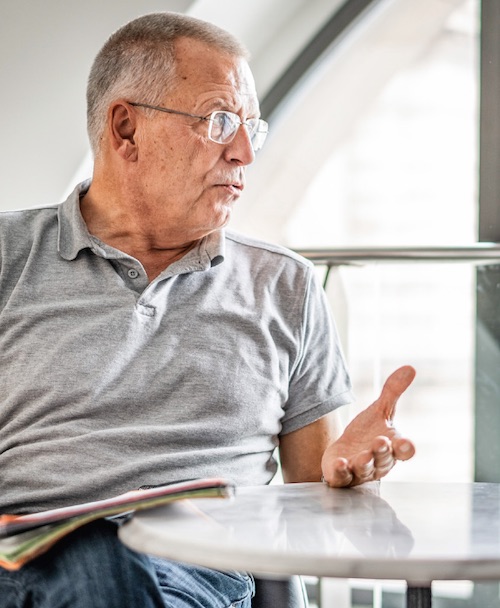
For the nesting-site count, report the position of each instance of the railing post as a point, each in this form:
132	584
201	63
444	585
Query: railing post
418	597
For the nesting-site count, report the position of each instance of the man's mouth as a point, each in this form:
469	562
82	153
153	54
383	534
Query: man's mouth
235	188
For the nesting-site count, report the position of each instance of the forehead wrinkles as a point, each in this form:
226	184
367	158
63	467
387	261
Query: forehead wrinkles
234	101
209	74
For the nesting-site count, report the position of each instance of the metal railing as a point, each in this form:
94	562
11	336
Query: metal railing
479	253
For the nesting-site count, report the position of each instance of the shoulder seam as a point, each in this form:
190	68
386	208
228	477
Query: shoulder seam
4	212
267	246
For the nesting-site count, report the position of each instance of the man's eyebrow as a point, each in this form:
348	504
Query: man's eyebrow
218	103
221	104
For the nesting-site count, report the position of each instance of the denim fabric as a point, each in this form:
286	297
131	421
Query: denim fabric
91	568
185	586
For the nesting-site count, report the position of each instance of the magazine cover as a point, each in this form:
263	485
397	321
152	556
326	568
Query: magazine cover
23	537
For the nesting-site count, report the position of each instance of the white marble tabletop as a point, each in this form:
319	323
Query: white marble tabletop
418	532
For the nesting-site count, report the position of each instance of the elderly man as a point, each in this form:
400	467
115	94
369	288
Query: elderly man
141	343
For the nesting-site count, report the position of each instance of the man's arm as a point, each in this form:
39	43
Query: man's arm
367	449
301	451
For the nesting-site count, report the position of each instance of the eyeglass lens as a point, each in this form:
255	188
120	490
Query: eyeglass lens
223	127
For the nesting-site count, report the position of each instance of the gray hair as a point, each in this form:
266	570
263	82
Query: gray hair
139	60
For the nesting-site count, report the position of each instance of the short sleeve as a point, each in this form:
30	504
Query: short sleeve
319	381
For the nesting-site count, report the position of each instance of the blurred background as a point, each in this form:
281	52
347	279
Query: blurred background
384	139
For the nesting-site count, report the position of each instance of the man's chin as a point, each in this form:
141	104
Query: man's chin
225	213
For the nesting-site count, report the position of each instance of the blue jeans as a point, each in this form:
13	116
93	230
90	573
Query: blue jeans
91	568
189	587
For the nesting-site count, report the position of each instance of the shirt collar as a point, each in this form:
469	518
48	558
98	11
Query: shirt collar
73	235
214	246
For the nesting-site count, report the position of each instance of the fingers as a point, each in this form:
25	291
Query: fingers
394	387
403	449
387	451
345	473
369	465
383	457
363	467
340	475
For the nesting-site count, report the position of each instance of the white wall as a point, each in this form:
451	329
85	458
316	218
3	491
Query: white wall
46	49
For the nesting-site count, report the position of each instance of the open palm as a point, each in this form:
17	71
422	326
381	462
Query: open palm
370	445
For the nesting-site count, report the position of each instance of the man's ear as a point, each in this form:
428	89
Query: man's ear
122	126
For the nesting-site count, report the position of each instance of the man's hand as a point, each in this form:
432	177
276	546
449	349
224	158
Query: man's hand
370	446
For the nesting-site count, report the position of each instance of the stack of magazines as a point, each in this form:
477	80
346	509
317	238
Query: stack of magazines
24	537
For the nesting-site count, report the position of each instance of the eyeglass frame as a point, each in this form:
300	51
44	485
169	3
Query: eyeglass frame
210	119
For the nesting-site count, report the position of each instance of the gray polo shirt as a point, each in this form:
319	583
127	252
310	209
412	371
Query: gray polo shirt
108	382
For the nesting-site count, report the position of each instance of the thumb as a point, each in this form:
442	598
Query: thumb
394	387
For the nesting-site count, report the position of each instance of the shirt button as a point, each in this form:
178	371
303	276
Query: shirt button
133	273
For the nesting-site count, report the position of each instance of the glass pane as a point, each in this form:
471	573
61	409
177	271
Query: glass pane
405	169
422	314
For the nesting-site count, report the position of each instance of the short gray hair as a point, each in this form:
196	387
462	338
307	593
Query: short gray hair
139	60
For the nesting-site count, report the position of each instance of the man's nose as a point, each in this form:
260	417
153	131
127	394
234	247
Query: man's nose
240	149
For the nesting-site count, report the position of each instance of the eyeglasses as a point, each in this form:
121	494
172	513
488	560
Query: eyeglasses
222	125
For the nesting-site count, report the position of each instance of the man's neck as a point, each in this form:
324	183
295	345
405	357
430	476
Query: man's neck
132	233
